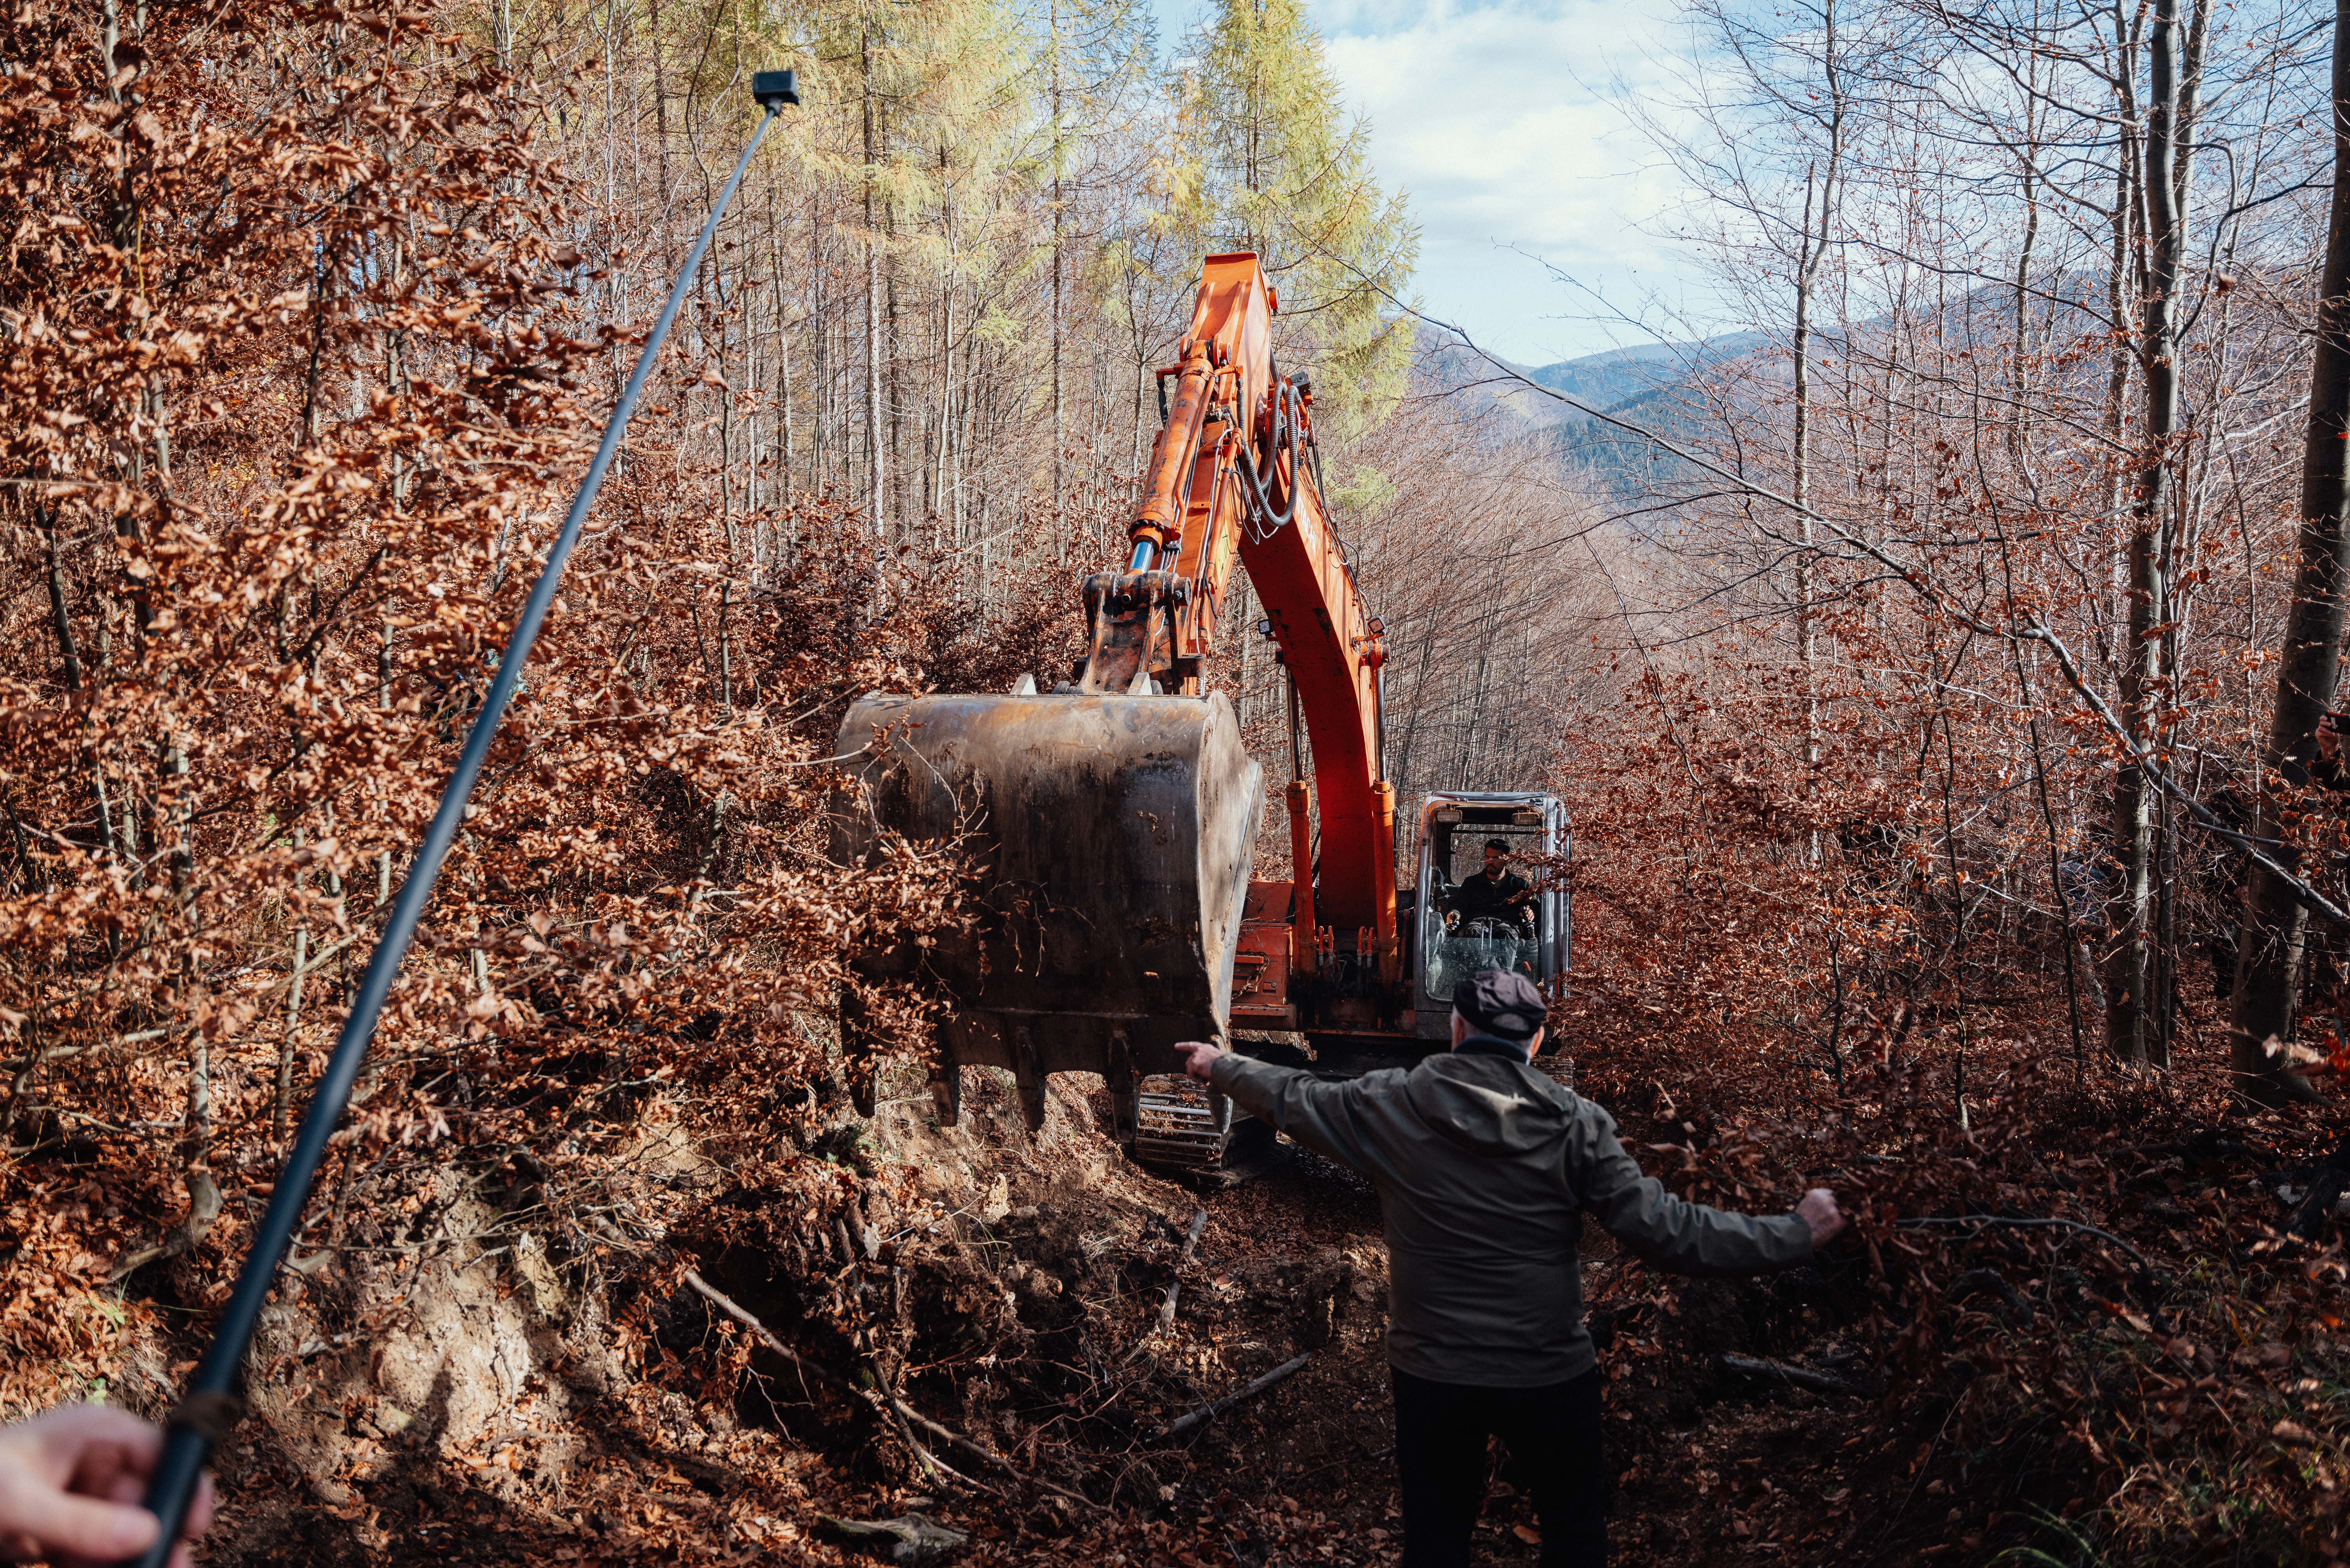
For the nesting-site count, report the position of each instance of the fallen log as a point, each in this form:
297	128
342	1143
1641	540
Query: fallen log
911	1541
886	1405
1216	1407
1800	1377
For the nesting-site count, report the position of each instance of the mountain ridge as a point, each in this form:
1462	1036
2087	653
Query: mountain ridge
1604	380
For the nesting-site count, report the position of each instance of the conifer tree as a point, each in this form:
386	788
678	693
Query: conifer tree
1093	58
926	87
1282	172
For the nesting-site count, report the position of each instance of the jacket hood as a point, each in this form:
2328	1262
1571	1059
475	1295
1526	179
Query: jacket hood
1490	1104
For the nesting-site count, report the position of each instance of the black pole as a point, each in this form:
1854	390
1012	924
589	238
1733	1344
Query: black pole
210	1409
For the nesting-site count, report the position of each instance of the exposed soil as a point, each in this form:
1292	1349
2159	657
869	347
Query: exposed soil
465	1402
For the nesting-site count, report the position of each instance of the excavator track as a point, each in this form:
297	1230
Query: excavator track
1191	1132
1179	1125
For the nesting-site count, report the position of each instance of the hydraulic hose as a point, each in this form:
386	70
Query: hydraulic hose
210	1409
1260	485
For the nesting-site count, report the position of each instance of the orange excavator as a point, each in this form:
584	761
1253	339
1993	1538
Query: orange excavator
1110	820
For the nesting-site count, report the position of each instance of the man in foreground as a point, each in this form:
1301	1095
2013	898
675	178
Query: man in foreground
1485	1168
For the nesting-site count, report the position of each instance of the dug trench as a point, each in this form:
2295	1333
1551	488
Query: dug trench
491	1381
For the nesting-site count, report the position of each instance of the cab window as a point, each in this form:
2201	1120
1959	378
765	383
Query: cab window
1481	905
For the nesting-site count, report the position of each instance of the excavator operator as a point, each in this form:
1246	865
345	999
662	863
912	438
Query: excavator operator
1496	893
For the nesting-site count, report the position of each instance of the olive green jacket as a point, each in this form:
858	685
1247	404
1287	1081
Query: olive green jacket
1485	1168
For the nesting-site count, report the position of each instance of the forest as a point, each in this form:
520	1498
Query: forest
2023	404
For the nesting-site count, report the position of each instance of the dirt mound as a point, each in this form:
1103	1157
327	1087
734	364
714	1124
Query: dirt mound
456	1383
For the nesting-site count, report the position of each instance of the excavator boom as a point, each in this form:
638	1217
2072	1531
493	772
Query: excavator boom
1231	477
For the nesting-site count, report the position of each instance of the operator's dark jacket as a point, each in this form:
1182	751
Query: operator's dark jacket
1488	897
1485	1168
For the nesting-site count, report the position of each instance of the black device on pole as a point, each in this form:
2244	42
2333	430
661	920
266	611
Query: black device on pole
210	1409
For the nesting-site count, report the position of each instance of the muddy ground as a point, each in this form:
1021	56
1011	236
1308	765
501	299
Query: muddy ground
476	1389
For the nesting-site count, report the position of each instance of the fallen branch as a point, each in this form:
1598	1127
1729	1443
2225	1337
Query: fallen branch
932	1465
942	1467
204	1209
913	1539
2034	1223
887	1405
1801	1376
1174	1287
1216	1407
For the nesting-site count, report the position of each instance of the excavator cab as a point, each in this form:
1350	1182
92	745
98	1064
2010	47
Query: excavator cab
1454	935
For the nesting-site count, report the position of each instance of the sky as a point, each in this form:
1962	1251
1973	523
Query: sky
1505	123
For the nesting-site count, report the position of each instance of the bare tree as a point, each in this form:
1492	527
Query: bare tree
2275	928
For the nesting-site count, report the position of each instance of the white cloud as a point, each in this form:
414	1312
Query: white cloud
1500	119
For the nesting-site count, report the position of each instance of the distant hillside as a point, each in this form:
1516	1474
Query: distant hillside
1602	380
1623	465
1648	383
1619	375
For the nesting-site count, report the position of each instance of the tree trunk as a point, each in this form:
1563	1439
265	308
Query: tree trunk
2269	942
946	467
1807	635
875	438
782	494
894	387
2132	1026
60	613
820	366
1060	435
2120	314
1812	253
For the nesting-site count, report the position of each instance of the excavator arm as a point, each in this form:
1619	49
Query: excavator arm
1234	477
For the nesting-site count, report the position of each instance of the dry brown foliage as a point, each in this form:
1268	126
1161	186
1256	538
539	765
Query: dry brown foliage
294	392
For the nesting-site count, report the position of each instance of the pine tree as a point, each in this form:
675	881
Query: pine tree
1285	173
926	88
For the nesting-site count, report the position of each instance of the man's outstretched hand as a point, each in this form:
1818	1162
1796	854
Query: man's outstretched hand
1199	1056
1819	1211
70	1480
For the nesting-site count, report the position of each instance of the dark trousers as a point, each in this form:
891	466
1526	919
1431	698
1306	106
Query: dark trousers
1553	1433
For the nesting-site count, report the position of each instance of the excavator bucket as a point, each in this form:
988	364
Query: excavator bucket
1109	841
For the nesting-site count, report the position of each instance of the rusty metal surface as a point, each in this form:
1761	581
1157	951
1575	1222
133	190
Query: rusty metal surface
1262	977
1110	839
1130	615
